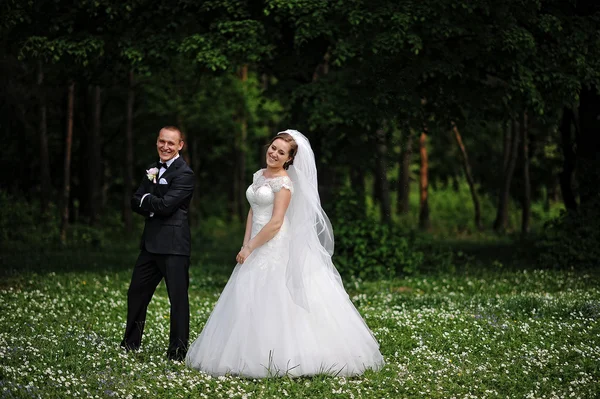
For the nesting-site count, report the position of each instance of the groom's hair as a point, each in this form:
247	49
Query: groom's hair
173	129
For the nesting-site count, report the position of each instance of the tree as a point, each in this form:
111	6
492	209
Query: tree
45	182
66	197
569	157
424	222
526	213
128	167
469	176
94	150
501	220
242	150
381	177
404	175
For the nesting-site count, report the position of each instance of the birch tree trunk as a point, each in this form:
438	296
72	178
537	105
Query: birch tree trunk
67	164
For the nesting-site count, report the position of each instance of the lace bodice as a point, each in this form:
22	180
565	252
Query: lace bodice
261	196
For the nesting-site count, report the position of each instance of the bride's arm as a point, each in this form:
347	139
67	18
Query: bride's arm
269	230
248	228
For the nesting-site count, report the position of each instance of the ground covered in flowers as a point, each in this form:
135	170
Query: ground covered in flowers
492	334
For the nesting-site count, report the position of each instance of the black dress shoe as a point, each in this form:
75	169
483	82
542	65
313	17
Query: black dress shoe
178	356
129	348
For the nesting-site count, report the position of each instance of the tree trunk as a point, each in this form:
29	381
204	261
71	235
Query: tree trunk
383	184
187	157
328	183
45	186
185	151
67	164
195	151
234	194
322	68
128	169
569	157
424	222
402	202
94	162
526	214
243	148
588	149
469	175
357	183
505	145
501	221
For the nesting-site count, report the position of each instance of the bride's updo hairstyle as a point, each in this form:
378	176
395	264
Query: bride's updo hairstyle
293	147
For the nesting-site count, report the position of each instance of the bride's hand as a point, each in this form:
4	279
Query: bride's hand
243	254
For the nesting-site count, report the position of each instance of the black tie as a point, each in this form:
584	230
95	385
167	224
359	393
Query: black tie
161	165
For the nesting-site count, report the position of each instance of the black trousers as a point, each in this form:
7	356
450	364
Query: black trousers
148	271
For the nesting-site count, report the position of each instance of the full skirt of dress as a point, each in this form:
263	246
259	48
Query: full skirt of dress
256	330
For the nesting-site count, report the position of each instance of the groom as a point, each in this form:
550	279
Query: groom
163	198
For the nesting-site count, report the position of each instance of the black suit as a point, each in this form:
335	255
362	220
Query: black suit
165	252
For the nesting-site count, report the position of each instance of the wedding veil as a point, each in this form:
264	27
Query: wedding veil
312	241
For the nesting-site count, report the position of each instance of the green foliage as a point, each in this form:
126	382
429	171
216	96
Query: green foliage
572	240
22	226
21	223
80	51
366	248
339	69
369	249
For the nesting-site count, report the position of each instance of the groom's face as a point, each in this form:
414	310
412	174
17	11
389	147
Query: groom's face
168	144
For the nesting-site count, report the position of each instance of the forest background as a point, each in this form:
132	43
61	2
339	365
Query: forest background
458	152
439	127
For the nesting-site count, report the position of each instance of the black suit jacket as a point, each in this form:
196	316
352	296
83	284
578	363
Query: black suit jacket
167	231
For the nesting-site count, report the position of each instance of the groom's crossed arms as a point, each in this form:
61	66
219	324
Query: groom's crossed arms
145	202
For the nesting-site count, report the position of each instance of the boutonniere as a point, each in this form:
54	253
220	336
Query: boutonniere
151	174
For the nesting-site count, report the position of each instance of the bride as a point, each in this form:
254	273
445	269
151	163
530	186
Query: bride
284	310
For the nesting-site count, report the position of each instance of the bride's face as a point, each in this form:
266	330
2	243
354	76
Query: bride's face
278	153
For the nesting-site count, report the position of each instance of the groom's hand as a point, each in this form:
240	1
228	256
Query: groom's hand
149	186
180	190
145	187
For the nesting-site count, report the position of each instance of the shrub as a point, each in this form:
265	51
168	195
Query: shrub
367	248
372	250
21	222
22	226
571	240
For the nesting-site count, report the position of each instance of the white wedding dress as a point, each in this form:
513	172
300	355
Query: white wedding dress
256	329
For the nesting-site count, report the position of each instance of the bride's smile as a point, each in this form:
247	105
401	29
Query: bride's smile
278	154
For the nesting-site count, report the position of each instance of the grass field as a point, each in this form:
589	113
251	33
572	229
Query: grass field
485	334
